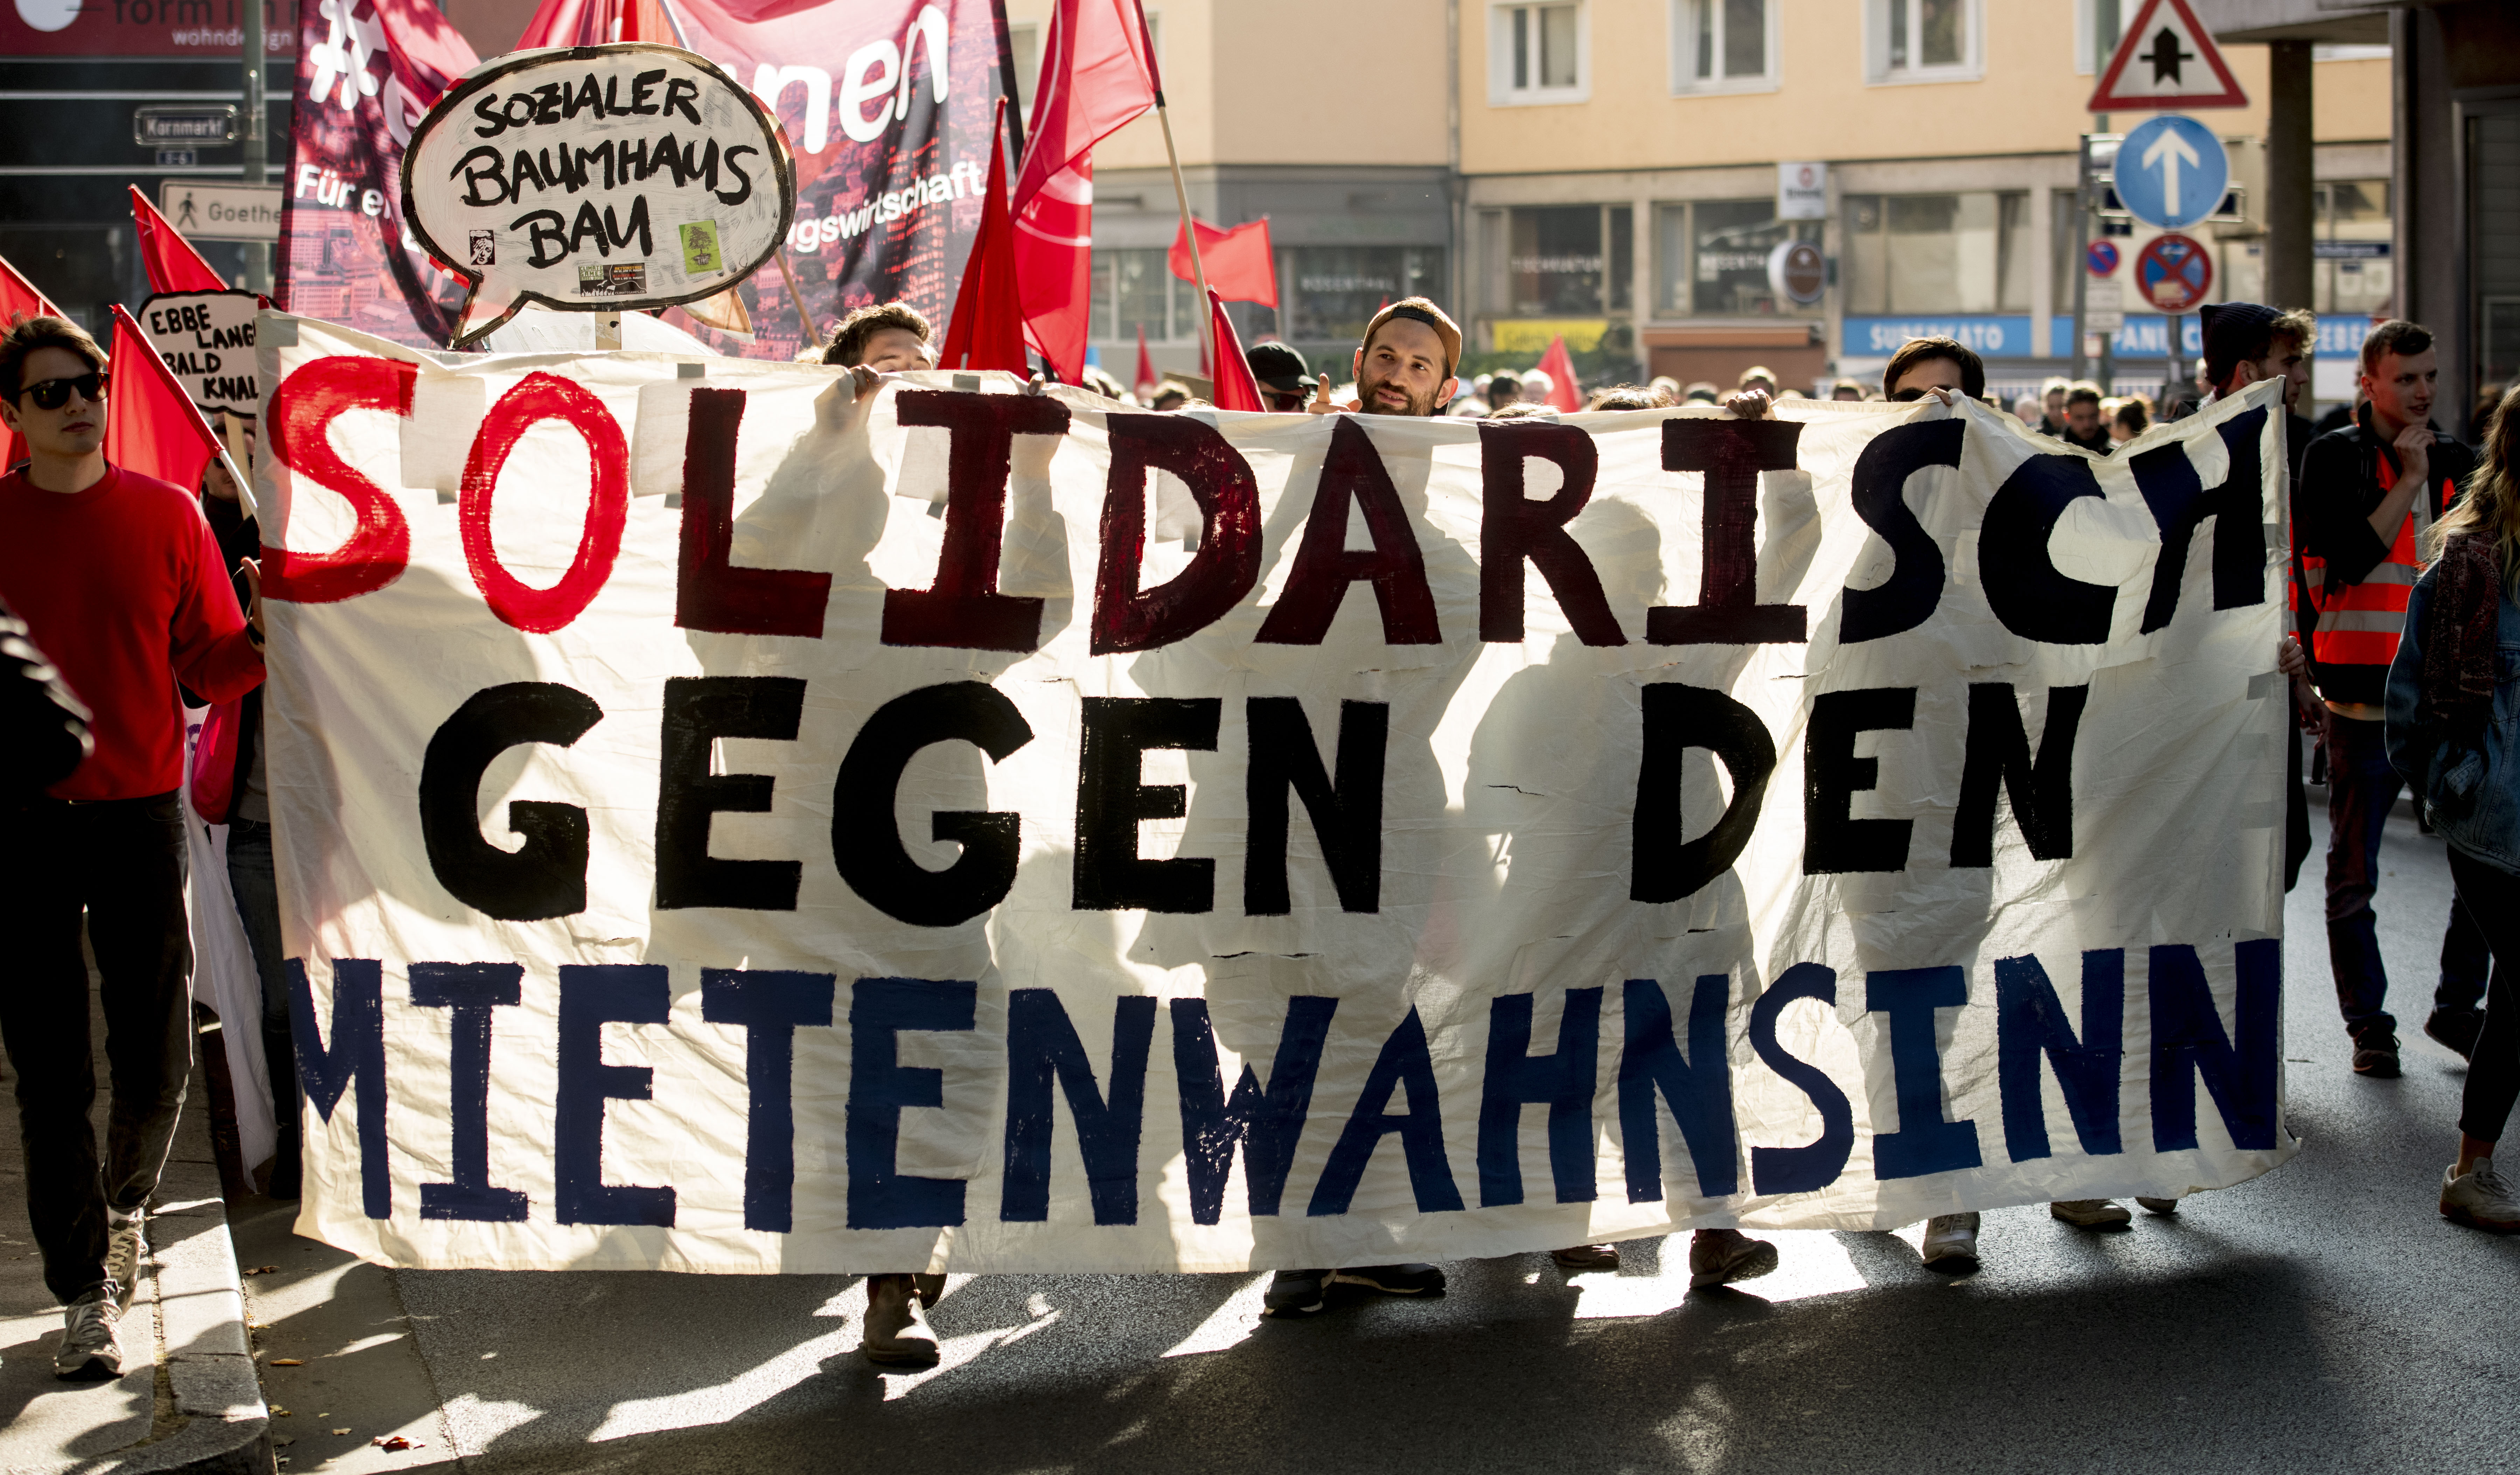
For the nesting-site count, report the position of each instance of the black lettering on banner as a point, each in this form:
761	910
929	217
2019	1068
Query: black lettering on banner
1346	812
1696	1087
964	608
711	591
1907	598
592	996
1325	567
2030	1020
546	877
2042	793
548	233
1513	527
1564	1081
1818	1163
1404	1064
1732	453
2181	503
866	844
1042	1044
771	1004
486	179
1266	1125
1663	867
356	1057
1833	841
641	87
699	711
2023	586
468	992
881	1086
1227	565
679	92
1112	798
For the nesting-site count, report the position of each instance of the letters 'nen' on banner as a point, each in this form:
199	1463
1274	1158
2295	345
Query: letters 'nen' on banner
727	826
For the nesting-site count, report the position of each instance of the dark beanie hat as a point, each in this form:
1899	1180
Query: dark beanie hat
1279	367
2230	331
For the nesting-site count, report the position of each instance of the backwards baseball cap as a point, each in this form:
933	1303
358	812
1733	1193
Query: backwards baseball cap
2233	332
1421	310
1279	367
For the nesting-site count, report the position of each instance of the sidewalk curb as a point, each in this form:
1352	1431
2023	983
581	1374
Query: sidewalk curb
209	1360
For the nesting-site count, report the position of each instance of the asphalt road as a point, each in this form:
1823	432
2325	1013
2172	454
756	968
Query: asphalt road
2320	1318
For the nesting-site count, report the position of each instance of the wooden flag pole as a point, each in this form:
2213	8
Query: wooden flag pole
1180	195
794	295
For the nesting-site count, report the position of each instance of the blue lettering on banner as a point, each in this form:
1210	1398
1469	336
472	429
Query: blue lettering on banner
592	996
1926	1142
1816	1164
1405	1062
2239	1067
1563	1081
770	1004
2029	1019
468	992
880	1010
1266	1124
1041	1042
356	1056
1697	1087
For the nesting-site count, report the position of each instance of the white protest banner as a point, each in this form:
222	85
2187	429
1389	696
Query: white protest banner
206	339
597	178
724	826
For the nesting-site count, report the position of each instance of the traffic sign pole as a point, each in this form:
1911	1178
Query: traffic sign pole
2082	250
257	255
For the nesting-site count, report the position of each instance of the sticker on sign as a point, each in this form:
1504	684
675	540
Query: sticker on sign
595	179
206	339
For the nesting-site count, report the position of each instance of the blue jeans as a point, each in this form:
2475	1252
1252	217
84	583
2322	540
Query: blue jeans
2362	790
255	884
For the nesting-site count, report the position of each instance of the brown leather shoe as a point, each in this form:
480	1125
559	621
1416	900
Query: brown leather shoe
1586	1257
897	1333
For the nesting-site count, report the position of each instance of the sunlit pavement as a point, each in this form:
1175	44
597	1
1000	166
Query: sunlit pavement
2320	1318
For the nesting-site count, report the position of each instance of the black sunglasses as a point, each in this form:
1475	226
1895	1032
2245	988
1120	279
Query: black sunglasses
53	393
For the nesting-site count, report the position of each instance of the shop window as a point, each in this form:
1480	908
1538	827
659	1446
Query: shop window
2352	246
1711	259
1724	45
1948	253
1554	262
1329	292
1537	54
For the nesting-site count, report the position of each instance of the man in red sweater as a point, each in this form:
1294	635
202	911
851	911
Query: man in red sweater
121	582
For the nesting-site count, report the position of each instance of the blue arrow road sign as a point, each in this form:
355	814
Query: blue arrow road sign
2171	172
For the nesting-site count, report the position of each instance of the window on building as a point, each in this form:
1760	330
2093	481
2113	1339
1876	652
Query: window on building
2493	248
1025	41
1329	292
1537	53
1136	290
1554	262
1723	45
2099	27
1924	40
1711	258
1941	253
2352	246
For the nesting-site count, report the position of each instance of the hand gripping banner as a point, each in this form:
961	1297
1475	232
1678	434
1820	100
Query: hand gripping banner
724	825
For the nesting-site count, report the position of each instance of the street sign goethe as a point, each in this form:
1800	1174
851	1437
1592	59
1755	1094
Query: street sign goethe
2166	59
2171	172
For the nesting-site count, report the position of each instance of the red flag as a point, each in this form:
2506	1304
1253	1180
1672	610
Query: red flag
986	329
1145	362
1098	72
1559	366
18	298
592	23
173	265
1235	388
150	425
1239	262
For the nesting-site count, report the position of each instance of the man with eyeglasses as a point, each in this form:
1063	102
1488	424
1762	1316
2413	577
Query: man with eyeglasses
121	582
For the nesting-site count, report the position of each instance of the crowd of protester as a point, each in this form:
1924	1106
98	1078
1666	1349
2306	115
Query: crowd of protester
125	595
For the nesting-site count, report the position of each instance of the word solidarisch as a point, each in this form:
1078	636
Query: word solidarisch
1657	1081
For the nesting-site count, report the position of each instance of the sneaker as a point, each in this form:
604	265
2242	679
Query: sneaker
2455	1031
2376	1055
89	1347
1296	1293
1720	1257
1951	1242
897	1334
2089	1213
1411	1280
2158	1205
1579	1259
123	1247
2479	1198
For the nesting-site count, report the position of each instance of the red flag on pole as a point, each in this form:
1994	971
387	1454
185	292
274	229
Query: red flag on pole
20	298
150	425
986	329
1240	264
1098	72
1559	366
593	22
173	265
1235	388
1145	362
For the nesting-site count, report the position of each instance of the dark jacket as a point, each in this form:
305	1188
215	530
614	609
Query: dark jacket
2331	509
43	729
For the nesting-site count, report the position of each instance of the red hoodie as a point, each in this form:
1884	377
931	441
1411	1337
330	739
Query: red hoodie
123	587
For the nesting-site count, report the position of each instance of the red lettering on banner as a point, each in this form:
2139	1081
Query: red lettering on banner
1228	562
302	411
539	397
712	593
1513	528
964	610
1325	566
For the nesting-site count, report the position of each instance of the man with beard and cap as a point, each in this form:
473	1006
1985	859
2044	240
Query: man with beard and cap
1280	372
1406	364
2364	494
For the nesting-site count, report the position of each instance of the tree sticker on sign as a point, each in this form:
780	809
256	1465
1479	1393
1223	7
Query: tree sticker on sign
595	179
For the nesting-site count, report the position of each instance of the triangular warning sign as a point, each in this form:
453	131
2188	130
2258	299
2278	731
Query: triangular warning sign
2167	63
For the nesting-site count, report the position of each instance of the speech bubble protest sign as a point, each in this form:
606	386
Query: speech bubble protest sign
206	339
595	178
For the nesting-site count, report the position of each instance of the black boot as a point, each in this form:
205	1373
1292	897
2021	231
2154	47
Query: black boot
282	1062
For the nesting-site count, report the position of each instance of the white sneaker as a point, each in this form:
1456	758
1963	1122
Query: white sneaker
89	1347
2089	1213
123	1247
2479	1198
1950	1241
